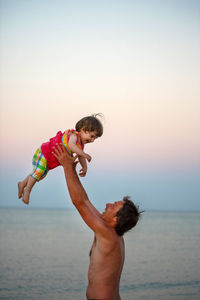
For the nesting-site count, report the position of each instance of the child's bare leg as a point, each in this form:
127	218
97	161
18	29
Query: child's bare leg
21	186
27	190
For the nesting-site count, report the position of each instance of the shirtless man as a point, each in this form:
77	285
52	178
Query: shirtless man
107	252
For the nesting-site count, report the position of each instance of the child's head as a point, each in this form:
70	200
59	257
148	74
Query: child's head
90	124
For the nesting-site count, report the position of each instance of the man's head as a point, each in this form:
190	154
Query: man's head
121	215
127	216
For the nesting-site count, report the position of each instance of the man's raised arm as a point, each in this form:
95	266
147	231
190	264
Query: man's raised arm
78	195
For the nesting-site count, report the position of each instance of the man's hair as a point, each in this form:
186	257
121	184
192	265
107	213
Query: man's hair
127	216
90	123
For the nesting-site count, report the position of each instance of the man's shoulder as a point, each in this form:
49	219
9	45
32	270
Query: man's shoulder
109	236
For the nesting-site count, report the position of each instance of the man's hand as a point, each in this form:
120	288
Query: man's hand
60	152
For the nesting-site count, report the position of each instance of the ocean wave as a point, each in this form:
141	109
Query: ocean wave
160	285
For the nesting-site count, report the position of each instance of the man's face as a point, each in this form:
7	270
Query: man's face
87	136
112	209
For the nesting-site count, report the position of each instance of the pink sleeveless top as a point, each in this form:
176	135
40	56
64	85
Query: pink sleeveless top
63	138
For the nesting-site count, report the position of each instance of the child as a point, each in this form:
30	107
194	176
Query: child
87	130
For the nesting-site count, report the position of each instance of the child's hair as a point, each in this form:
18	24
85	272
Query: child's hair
90	123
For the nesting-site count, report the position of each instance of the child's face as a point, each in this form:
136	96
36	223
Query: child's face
87	136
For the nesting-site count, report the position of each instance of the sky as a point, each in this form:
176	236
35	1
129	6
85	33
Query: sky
137	63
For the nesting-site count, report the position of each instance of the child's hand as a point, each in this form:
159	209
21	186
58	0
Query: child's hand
88	157
82	172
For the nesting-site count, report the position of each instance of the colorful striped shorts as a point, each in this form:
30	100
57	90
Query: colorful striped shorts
39	163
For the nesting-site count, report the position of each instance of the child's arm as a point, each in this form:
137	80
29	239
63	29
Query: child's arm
83	163
74	148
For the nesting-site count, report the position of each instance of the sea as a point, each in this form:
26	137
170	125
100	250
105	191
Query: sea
44	254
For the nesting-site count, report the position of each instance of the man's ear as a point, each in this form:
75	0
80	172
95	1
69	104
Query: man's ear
114	221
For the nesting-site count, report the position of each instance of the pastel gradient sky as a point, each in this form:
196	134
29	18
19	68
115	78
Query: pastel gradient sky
137	62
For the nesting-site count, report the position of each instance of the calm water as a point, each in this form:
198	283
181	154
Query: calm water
44	255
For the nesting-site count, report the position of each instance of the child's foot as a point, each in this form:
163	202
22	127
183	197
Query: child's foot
26	196
20	189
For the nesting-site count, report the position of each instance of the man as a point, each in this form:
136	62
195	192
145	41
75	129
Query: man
107	252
